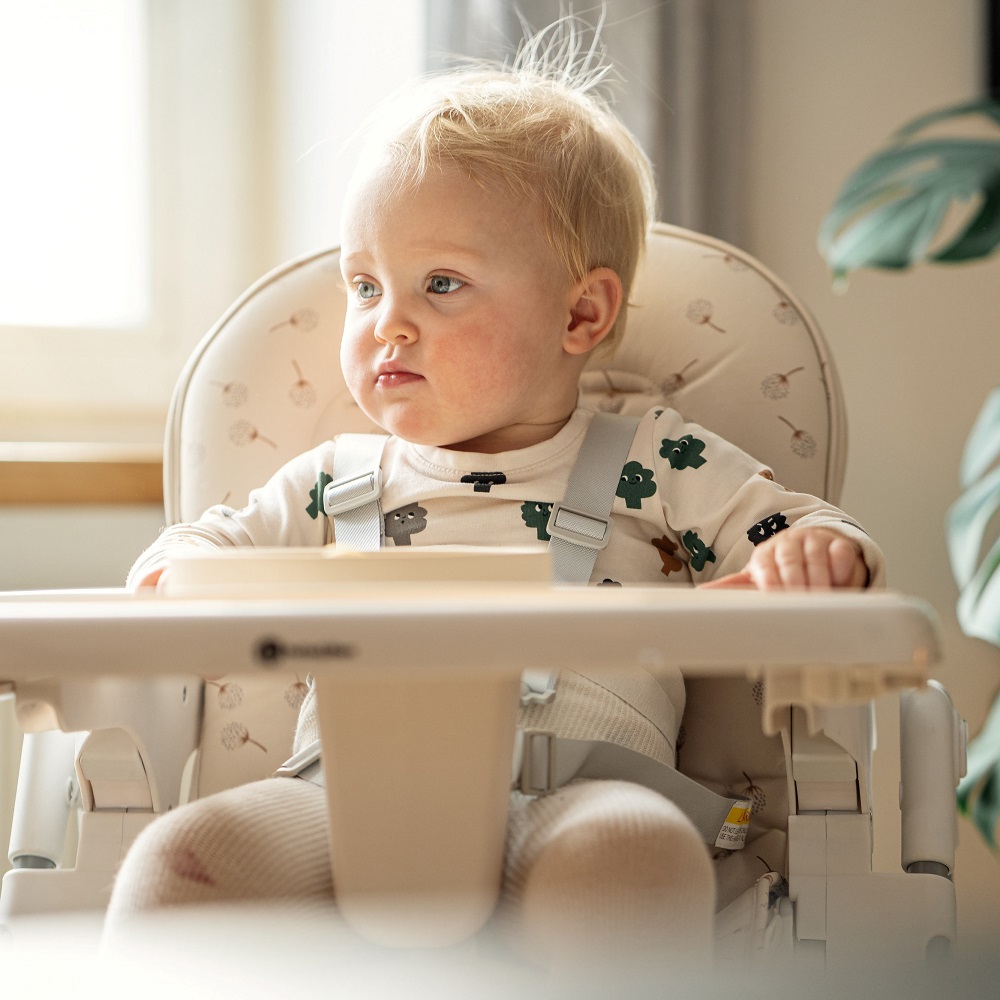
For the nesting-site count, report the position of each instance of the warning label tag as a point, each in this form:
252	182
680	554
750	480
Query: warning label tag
733	834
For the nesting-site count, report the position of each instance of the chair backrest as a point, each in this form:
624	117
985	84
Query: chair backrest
710	332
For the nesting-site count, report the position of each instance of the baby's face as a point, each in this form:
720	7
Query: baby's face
457	310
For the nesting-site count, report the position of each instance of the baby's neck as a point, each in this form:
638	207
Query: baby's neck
513	438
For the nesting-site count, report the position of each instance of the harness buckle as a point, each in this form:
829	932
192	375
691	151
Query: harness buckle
538	687
351	492
578	527
538	762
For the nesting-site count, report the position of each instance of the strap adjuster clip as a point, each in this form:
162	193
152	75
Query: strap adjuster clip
578	527
351	492
538	762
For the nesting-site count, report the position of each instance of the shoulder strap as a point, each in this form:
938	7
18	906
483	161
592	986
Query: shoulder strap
353	498
580	524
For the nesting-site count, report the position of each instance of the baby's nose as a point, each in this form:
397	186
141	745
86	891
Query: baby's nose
395	326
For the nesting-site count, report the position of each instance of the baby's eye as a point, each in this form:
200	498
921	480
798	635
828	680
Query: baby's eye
366	289
441	284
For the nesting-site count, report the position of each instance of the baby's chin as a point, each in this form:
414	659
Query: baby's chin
410	429
434	433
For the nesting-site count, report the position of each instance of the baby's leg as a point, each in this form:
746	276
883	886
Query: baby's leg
603	873
265	840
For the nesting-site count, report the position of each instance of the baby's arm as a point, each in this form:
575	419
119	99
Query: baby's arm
286	511
746	530
813	558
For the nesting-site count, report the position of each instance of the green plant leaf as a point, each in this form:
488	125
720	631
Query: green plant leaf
889	210
897	170
893	235
981	233
985	106
982	449
978	793
978	607
967	520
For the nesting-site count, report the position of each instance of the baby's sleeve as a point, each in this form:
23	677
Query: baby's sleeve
721	503
285	511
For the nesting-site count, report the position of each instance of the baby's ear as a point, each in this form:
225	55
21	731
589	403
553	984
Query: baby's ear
595	301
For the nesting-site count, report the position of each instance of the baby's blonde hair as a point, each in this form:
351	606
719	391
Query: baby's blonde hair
541	128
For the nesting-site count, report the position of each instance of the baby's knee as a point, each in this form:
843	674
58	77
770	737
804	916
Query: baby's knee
262	840
619	831
168	858
609	869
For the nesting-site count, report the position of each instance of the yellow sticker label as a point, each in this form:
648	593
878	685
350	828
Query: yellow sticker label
738	816
733	834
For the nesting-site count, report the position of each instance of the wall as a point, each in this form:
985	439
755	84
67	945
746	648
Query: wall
69	546
917	352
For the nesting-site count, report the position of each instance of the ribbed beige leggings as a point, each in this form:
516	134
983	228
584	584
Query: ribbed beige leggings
600	869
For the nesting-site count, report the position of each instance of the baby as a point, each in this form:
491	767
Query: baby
490	238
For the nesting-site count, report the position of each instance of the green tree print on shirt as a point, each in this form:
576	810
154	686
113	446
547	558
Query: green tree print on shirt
636	483
684	453
316	493
535	514
700	552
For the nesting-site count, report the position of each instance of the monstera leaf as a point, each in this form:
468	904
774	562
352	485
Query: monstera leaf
979	790
889	211
896	210
971	529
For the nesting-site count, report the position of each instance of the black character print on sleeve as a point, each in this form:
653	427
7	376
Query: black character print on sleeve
700	552
684	453
765	529
315	507
636	483
405	521
536	515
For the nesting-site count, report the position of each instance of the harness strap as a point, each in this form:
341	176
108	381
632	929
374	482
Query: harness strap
579	527
580	524
630	684
353	498
548	762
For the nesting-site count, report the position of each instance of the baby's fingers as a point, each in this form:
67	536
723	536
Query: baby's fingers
793	560
767	570
847	566
816	560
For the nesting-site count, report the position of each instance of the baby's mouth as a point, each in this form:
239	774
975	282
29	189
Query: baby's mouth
390	379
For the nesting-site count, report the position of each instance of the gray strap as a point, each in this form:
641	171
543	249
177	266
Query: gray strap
547	762
353	498
306	764
637	688
580	525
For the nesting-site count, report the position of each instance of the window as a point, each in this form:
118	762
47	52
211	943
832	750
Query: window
166	155
74	86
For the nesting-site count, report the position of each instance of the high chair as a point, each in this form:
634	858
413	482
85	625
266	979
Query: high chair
778	712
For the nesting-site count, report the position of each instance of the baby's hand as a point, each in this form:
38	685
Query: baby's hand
150	580
813	558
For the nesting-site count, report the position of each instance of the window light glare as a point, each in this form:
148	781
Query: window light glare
74	228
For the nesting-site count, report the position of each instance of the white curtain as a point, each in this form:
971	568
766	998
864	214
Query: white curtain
683	66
